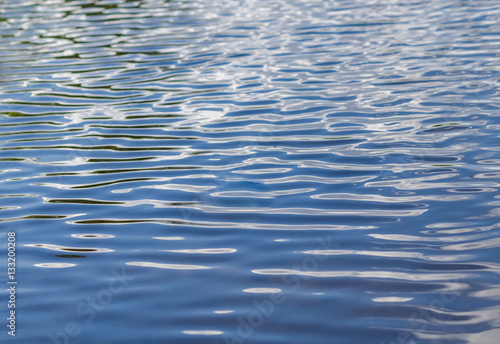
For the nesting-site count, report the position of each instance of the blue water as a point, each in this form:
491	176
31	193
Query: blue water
251	171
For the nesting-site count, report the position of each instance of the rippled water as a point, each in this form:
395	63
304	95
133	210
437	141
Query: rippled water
252	171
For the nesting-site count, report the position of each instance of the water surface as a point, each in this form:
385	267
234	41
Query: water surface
252	171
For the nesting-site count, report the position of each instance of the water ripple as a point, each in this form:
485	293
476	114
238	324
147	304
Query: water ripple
259	171
169	266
